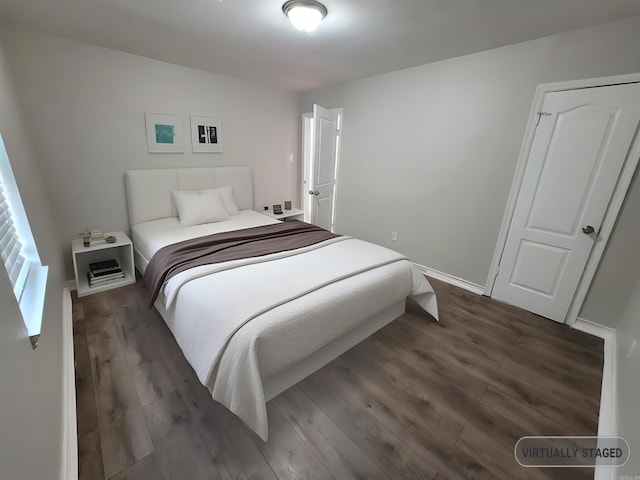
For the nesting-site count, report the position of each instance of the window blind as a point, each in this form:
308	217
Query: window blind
11	248
19	253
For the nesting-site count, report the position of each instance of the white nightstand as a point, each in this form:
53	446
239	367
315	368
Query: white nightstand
121	251
293	214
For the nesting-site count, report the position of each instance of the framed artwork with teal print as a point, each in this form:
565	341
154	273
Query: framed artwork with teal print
165	132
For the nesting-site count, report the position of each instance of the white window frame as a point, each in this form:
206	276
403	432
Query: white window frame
11	248
30	284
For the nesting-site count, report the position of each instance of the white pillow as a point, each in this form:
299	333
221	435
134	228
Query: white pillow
227	198
195	209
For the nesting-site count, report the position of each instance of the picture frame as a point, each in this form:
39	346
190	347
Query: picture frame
206	134
165	132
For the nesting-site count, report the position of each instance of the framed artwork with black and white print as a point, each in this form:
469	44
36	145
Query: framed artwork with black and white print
206	134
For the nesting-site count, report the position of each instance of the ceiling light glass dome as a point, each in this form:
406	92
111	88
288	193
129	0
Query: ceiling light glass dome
305	15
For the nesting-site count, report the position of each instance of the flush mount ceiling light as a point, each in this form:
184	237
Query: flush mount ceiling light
305	15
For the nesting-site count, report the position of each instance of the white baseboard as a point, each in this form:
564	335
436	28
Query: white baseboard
607	422
450	279
71	285
69	453
593	328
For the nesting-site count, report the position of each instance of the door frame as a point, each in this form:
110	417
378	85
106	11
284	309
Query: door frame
613	209
307	148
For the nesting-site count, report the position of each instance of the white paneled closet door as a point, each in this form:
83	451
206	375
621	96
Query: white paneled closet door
581	142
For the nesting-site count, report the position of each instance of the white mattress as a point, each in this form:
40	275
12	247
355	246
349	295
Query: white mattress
149	237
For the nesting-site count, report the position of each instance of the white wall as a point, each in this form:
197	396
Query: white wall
628	381
430	151
620	264
85	107
30	381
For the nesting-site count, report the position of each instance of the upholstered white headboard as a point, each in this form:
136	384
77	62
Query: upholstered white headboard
149	191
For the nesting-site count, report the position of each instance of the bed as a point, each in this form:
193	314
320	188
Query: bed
253	327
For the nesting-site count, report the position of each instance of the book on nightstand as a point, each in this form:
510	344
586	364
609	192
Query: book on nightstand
104	266
93	237
104	272
100	281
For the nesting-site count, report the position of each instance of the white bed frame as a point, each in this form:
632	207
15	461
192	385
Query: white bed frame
149	198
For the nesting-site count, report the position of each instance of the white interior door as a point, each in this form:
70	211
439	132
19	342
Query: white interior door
324	146
580	145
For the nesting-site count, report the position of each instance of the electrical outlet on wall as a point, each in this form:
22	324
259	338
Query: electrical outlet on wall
394	236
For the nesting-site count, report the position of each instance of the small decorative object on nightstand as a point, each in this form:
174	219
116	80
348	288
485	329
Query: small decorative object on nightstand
104	265
277	209
293	214
287	204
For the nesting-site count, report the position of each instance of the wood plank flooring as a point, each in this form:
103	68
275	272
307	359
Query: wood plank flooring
417	400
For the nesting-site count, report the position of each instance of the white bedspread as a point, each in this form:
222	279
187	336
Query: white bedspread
232	325
243	322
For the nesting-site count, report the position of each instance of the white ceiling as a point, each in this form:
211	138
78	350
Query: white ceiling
253	39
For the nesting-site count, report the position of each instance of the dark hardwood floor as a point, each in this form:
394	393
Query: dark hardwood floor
417	400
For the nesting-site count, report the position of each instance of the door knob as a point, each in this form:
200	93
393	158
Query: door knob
588	230
314	192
